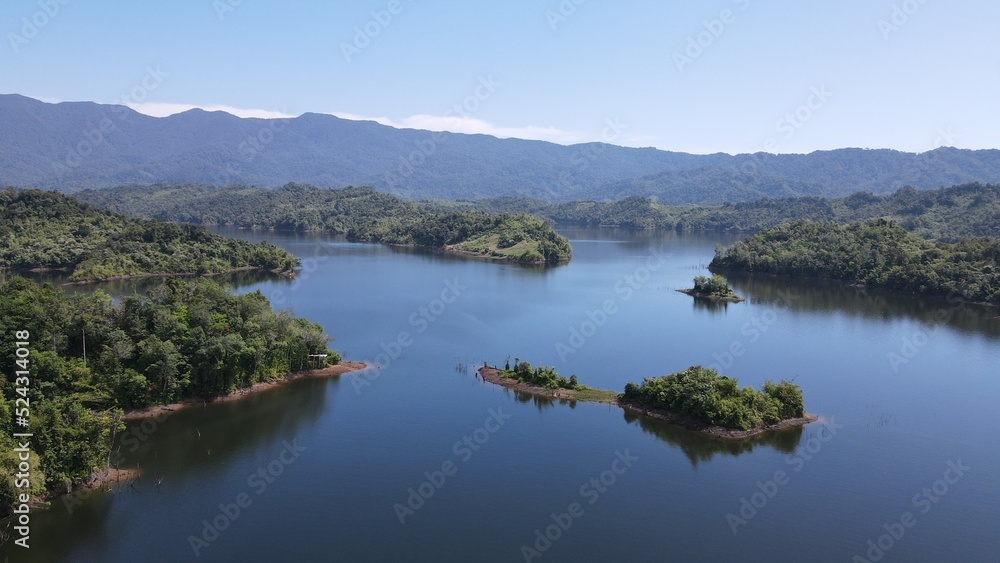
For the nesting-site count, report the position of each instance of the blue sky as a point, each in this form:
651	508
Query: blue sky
710	76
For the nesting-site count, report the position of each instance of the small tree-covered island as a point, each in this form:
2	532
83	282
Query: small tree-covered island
697	398
714	288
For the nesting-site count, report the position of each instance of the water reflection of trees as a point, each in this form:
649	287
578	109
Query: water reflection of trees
56	535
188	440
185	445
824	296
698	447
710	305
143	285
541	403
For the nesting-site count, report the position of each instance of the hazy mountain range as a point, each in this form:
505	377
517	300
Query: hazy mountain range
76	145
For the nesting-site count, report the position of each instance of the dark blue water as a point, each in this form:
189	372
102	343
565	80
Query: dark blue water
905	388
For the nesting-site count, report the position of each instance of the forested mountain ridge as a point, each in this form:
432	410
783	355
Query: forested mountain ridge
41	229
949	214
360	213
709	186
72	146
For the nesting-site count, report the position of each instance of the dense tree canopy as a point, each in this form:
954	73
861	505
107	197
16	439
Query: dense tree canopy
49	230
541	375
968	210
877	253
715	287
91	358
360	213
717	399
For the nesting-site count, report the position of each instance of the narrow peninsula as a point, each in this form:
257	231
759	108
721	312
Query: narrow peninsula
697	398
360	213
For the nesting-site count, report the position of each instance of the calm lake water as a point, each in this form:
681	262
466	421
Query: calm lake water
907	388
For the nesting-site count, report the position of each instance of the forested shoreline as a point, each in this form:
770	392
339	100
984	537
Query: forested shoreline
877	253
91	360
48	230
949	213
509	226
360	213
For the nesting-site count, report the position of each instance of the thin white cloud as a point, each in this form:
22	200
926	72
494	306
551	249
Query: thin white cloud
471	125
163	109
426	122
453	124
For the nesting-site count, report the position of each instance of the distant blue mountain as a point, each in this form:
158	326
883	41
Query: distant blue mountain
72	146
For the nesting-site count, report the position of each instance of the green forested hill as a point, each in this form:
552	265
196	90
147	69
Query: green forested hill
48	230
877	253
962	211
184	338
293	207
712	185
361	213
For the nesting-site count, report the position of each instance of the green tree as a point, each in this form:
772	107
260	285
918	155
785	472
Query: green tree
161	363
